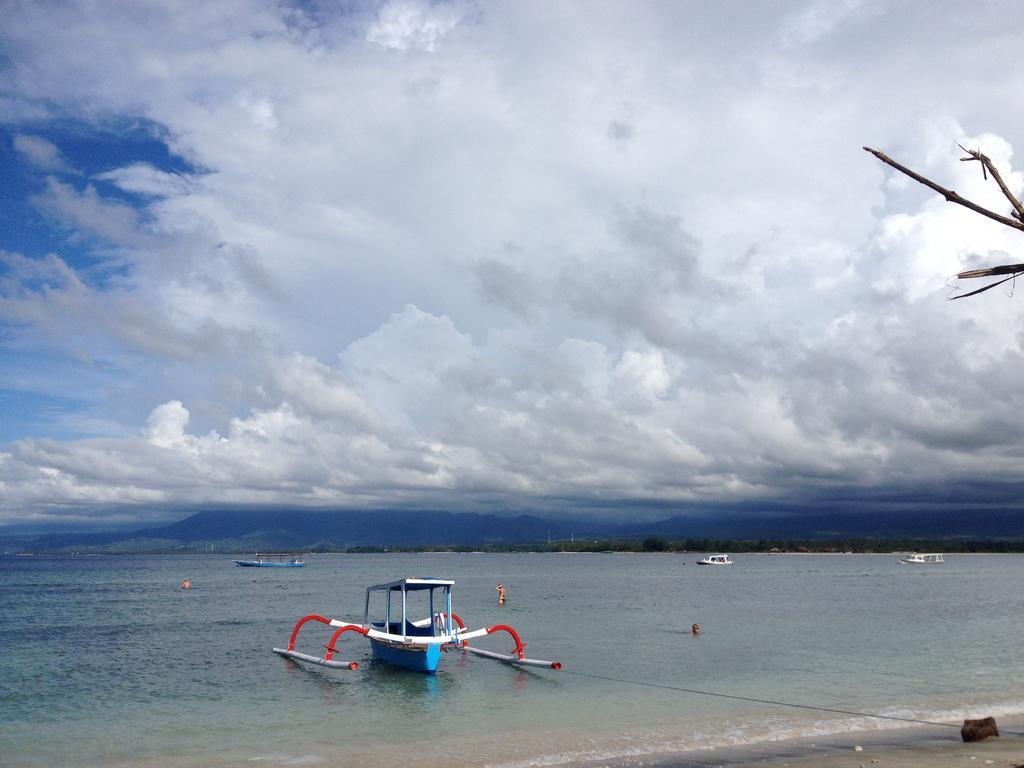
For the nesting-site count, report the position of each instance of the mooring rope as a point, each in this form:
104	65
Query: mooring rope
771	702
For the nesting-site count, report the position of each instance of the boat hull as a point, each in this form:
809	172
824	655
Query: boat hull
417	657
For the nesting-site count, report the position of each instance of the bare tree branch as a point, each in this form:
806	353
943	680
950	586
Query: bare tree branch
986	163
987	287
949	194
1006	269
1017	222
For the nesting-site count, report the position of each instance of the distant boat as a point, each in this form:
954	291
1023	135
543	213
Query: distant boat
273	560
715	560
918	558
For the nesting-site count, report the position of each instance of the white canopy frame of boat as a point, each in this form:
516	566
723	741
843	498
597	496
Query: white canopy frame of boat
447	628
405	586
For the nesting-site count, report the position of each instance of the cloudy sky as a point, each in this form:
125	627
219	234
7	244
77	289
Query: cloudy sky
503	256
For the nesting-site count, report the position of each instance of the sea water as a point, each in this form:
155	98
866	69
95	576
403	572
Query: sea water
106	661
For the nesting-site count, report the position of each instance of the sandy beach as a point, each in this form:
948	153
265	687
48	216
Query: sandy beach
910	748
995	752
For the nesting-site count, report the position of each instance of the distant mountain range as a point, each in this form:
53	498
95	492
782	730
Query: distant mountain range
243	530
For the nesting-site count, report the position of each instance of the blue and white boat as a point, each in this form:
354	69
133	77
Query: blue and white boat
395	638
273	560
393	615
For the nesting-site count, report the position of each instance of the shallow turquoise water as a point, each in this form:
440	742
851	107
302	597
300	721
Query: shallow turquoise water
106	661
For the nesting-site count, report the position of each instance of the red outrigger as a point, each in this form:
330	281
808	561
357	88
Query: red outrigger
415	645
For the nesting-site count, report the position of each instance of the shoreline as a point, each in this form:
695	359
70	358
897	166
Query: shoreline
22	554
697	746
911	747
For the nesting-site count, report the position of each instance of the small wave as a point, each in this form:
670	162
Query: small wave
731	735
287	759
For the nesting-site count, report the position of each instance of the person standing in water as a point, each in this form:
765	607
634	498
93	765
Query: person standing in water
501	594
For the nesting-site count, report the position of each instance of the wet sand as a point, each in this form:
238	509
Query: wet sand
909	748
904	748
1001	752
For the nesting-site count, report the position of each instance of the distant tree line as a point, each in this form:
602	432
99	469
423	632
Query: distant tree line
652	544
658	544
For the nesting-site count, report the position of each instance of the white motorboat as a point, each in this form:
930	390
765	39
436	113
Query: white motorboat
920	558
715	560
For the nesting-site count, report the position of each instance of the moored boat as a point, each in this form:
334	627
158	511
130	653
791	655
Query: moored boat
922	558
715	560
273	560
397	639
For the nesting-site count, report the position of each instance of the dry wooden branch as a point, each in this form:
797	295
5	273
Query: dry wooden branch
1006	269
949	194
987	287
987	164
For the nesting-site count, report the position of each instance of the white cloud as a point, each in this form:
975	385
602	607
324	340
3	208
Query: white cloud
562	256
167	425
405	24
144	179
642	374
40	152
819	18
260	111
89	213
